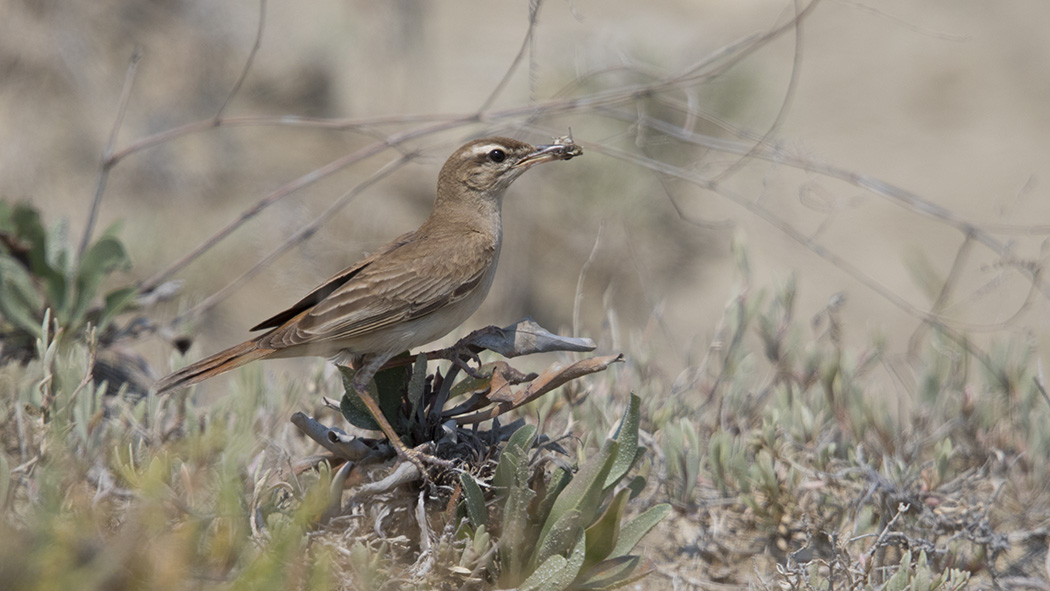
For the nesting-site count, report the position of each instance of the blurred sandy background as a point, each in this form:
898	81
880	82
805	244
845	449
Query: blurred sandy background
950	100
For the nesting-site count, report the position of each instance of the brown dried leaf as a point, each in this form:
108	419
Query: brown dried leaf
553	377
500	387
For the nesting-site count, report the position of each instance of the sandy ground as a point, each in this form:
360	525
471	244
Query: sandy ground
945	99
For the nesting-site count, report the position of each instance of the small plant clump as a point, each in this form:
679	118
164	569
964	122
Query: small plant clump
559	530
41	273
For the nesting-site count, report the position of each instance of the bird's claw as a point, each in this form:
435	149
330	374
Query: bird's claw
464	364
461	355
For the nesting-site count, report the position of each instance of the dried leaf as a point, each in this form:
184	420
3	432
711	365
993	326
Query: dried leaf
524	338
553	377
500	390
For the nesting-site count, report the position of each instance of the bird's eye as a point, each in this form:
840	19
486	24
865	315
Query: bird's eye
497	156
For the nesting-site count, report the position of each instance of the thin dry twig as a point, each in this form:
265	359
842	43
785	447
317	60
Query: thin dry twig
820	250
577	300
958	263
789	94
301	235
902	508
705	69
107	153
526	44
773	153
247	63
1042	390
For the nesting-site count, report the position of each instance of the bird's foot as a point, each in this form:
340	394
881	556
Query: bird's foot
461	355
465	366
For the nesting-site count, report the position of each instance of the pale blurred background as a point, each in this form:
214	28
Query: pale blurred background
950	100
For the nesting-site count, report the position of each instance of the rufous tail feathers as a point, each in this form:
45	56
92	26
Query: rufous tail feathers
210	367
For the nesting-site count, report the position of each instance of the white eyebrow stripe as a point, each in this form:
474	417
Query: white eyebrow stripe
486	148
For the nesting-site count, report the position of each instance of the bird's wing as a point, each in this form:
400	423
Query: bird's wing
416	279
328	287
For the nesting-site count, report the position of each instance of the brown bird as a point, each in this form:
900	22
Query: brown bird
408	293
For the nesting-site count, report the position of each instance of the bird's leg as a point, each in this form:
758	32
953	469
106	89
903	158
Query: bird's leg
369	365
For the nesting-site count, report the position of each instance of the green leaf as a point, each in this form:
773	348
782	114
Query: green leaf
546	572
557	482
899	580
923	576
514	454
604	533
522	439
354	409
561	537
20	302
116	302
627	437
59	275
636	485
6	226
417	383
584	492
557	572
103	257
514	547
612	574
513	475
29	229
635	530
568	573
391	384
471	384
351	406
57	251
474	499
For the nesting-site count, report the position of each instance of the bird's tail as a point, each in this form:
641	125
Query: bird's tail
210	367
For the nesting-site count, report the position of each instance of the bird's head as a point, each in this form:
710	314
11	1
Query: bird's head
490	165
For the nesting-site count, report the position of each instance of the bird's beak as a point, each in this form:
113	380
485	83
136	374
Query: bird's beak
558	151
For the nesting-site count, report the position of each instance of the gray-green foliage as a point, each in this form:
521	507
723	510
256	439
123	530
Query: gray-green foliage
913	573
560	530
813	447
111	503
681	442
39	271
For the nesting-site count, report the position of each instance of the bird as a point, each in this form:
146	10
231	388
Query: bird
410	292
